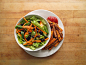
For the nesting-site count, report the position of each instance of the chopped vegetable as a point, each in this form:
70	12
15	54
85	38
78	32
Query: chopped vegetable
36	44
22	33
32	32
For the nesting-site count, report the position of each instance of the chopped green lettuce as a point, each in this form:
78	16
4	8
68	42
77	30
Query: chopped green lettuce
26	36
32	47
36	44
18	26
20	39
33	33
23	21
27	24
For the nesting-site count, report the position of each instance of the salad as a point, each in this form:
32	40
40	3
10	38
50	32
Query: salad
32	32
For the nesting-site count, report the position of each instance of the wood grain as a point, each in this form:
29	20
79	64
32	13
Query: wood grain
37	1
47	6
73	16
60	13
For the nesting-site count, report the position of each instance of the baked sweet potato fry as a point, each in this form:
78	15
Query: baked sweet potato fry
50	47
56	44
51	35
58	35
50	43
54	31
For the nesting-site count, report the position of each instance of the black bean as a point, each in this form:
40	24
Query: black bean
42	40
30	21
39	21
33	28
41	32
28	38
45	36
37	28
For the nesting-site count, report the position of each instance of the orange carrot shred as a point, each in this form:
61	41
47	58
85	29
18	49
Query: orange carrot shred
40	29
19	33
18	23
25	19
37	41
46	38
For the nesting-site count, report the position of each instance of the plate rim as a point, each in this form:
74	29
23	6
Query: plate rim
60	42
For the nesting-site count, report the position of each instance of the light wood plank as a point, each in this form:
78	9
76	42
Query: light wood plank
73	46
79	14
75	30
8	22
74	38
74	21
42	61
60	55
48	6
38	1
59	13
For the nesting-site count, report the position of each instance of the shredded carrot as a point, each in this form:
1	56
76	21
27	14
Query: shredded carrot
58	35
30	40
19	33
28	27
30	30
17	30
37	41
31	24
18	23
40	29
28	43
25	34
46	38
41	24
25	39
25	19
24	24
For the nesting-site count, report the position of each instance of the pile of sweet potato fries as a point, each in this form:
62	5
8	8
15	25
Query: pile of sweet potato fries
56	36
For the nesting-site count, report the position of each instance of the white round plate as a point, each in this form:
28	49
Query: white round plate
45	53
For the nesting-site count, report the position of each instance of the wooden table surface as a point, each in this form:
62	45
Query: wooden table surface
73	16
